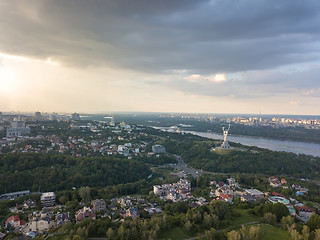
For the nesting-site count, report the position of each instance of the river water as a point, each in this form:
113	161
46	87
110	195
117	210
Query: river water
271	144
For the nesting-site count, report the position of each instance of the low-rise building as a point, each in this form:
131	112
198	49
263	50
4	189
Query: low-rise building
40	225
226	190
232	182
225	197
62	218
28	204
48	199
255	193
176	191
14	221
304	212
83	213
98	205
131	212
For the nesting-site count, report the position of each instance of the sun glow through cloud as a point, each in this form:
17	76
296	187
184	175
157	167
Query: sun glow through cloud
7	80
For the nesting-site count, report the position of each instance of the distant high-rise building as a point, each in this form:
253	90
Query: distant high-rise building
52	117
112	123
75	117
37	116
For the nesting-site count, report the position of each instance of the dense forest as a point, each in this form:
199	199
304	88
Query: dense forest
52	172
250	160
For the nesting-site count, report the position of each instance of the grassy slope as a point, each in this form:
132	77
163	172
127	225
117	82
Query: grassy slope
176	233
270	232
243	218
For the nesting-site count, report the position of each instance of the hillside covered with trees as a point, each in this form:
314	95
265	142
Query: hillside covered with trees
53	172
250	160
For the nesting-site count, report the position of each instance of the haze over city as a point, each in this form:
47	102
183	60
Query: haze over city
166	56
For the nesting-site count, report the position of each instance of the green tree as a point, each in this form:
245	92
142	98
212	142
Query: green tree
305	232
63	199
188	226
254	233
219	208
210	234
233	235
287	222
84	193
110	233
317	234
314	222
270	218
295	234
244	233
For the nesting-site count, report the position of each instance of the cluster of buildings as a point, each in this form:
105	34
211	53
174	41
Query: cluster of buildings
275	182
46	219
228	191
276	122
252	120
37	221
121	141
176	192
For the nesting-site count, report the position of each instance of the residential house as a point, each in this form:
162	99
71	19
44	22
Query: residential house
28	204
274	182
224	190
304	212
133	212
62	218
225	197
98	205
14	221
232	182
248	198
83	213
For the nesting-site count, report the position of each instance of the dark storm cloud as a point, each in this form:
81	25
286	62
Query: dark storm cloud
156	36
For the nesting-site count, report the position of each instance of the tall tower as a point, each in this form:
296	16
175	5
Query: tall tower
225	144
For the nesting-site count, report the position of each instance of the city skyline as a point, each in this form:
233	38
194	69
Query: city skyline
251	57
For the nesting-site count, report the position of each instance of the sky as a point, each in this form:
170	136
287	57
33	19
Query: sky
217	56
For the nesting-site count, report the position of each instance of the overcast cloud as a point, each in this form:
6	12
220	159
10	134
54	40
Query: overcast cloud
215	48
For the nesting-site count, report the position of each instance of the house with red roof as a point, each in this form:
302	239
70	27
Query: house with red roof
278	194
85	212
15	221
225	197
304	212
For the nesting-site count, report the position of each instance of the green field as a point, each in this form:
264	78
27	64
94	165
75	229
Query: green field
241	216
223	151
270	232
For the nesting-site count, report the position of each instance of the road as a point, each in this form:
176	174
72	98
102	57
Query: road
181	165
